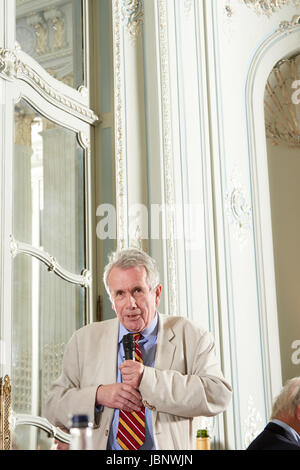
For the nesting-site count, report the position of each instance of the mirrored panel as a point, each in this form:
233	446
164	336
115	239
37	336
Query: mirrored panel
48	210
282	120
52	33
46	310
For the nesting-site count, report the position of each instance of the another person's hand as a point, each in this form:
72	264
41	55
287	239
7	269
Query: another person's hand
61	445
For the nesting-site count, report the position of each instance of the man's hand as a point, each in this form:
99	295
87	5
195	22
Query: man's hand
61	445
119	395
132	373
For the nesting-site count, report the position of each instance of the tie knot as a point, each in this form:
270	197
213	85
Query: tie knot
137	337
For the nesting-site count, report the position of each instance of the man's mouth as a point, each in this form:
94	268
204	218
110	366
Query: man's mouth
133	314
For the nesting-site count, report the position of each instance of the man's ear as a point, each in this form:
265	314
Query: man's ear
158	290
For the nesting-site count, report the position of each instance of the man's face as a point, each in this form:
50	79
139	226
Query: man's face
132	299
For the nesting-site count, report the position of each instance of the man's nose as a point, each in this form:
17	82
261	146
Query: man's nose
131	302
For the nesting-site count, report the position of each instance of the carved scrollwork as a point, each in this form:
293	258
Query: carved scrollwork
12	67
239	210
133	15
41	423
84	279
8	63
267	7
286	26
84	140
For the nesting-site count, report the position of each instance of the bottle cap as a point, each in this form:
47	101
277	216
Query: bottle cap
80	421
202	433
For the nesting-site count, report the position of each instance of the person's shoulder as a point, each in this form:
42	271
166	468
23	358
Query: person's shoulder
96	328
184	323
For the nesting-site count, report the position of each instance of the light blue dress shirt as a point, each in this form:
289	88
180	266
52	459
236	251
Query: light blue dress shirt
288	428
148	348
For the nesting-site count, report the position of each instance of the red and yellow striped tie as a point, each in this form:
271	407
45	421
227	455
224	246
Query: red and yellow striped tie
131	429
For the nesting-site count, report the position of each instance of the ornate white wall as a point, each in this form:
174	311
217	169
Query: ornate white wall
205	68
180	91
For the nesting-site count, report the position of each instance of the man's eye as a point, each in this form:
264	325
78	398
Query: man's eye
138	291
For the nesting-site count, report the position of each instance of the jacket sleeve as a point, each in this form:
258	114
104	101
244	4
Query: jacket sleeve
66	397
196	389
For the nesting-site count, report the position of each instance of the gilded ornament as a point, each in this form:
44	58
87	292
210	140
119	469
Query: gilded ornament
267	7
5	412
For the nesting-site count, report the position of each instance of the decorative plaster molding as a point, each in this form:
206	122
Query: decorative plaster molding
136	239
188	6
56	20
238	209
268	7
41	32
120	156
167	139
12	68
228	11
288	25
16	247
41	423
84	141
252	423
133	16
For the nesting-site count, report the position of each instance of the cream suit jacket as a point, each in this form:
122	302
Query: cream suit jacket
185	382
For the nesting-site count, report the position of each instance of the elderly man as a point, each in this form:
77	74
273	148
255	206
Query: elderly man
283	431
147	403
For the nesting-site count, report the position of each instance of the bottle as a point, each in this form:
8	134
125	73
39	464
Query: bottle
81	433
202	440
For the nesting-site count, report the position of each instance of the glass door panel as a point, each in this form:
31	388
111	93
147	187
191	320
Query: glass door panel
49	188
46	311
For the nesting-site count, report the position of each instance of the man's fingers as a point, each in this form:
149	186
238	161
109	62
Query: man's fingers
119	395
126	388
130	397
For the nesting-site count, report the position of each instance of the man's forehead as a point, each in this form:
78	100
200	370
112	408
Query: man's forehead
127	275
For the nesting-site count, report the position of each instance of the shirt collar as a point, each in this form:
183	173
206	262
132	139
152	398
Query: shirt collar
147	333
287	428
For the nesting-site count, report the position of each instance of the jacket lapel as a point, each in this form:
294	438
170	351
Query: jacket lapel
109	350
165	348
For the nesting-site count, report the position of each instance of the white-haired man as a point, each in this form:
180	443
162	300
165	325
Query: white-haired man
283	430
148	403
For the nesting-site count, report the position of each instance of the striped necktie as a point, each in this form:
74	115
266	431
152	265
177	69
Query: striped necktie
131	429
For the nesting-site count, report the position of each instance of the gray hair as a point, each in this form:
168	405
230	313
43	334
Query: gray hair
288	399
132	258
